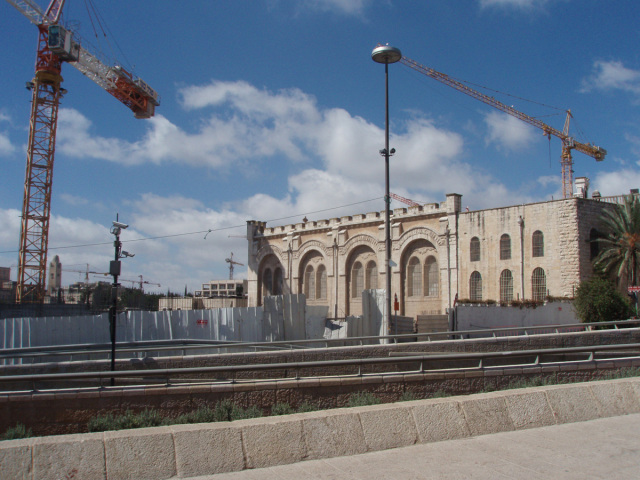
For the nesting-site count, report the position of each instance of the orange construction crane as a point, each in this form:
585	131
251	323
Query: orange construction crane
57	44
568	143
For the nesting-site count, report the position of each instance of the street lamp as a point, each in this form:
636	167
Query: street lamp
114	270
387	54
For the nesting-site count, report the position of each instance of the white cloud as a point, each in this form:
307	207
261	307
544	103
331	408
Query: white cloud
6	147
507	131
346	7
73	199
612	75
618	182
514	4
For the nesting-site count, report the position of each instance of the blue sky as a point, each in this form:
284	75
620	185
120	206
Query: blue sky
274	109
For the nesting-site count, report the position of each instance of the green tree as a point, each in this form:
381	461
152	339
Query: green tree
620	245
598	300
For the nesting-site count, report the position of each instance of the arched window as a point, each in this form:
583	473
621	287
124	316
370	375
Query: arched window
321	283
475	287
538	284
474	249
537	244
309	283
277	281
357	280
267	283
431	276
371	280
414	278
506	286
505	247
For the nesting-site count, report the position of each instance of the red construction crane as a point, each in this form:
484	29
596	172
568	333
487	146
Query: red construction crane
57	44
568	143
406	201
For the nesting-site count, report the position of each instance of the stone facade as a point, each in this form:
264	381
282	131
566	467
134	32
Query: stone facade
440	253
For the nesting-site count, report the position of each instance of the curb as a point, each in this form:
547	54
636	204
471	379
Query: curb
205	449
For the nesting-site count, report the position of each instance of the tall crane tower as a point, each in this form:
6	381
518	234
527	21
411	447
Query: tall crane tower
231	263
56	45
568	142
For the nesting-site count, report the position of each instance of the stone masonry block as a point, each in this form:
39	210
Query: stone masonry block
333	434
147	453
486	413
615	398
387	426
273	441
529	409
206	449
573	403
439	419
15	459
69	456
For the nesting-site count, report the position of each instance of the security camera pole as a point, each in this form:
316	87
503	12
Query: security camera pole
114	270
386	54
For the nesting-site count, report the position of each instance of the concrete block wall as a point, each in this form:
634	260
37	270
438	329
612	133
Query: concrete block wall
205	449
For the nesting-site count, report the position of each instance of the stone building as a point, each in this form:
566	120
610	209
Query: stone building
439	253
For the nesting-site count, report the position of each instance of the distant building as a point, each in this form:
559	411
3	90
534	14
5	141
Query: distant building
222	288
7	287
54	278
213	294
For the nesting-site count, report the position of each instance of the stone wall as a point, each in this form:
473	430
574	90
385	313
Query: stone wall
67	412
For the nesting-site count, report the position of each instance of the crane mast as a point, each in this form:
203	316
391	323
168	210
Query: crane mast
568	143
55	46
231	263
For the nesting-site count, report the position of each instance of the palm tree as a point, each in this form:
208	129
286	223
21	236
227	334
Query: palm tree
620	245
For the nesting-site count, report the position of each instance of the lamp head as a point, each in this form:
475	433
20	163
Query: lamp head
386	54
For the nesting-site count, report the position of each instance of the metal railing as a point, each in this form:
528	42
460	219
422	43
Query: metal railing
142	349
292	370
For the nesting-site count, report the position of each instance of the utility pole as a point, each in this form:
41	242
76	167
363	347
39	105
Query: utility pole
114	270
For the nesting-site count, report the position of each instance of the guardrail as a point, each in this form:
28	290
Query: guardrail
142	348
476	361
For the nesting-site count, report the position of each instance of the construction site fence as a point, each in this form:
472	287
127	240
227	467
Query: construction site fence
182	347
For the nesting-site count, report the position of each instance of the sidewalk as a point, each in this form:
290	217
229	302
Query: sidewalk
607	448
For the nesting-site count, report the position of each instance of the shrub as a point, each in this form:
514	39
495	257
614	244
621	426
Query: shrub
251	412
202	415
13	433
361	399
440	394
408	397
147	418
597	300
226	411
281	409
307	407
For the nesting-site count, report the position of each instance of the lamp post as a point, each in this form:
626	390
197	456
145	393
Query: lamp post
114	270
386	54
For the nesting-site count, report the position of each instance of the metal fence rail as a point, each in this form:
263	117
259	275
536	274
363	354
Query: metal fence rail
476	361
143	349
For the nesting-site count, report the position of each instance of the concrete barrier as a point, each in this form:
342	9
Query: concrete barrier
202	449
